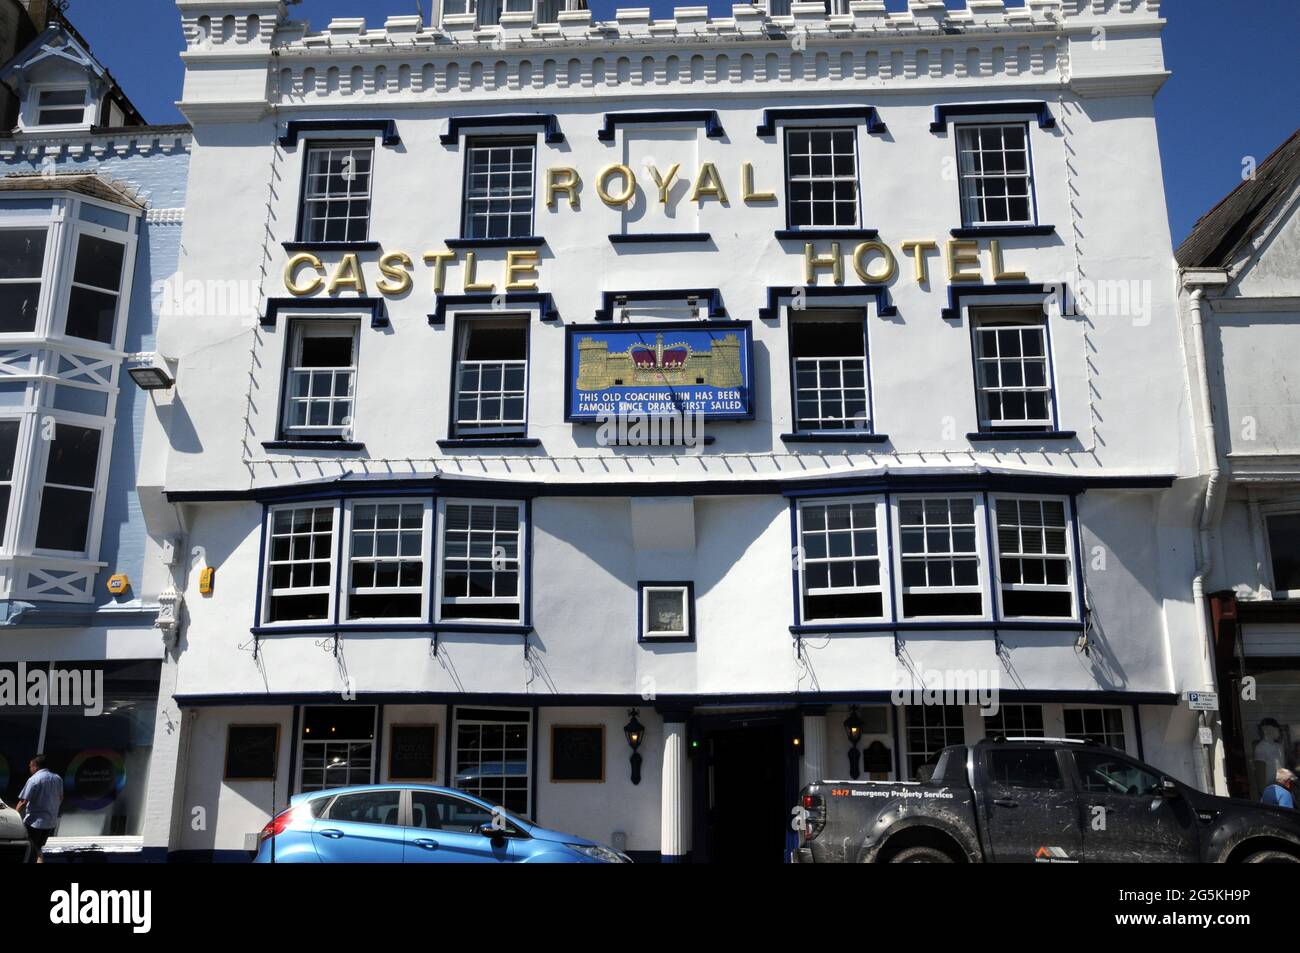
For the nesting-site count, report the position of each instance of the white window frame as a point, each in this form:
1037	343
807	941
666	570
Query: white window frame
123	293
303	325
905	727
306	201
303	742
969	201
1123	721
850	316
94	525
16	482
688	612
32	112
348	558
1070	586
884	588
503	428
530	762
268	589
981	555
855	177
1267	510
985	317
47	276
520	599
474	145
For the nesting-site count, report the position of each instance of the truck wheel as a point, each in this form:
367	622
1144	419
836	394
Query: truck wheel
1272	857
920	855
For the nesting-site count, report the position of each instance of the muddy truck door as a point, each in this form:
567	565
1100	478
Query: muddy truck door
1027	805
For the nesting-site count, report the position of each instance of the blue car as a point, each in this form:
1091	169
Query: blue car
414	824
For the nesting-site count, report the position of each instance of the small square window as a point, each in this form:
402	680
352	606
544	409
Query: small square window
667	611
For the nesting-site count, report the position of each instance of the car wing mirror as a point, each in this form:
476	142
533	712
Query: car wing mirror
1168	788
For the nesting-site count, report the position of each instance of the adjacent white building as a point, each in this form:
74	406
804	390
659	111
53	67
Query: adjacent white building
912	270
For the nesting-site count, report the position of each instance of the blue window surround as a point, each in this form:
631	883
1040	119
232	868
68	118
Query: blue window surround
384	129
776	293
993	621
944	113
647	238
712	125
609	300
810	233
640	612
539	301
1032	294
456	125
690	325
454	441
284	441
378	312
522	241
339	627
864	114
867	435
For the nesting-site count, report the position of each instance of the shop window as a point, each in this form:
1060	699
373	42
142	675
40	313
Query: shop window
997	186
300	547
930	729
939	557
493	756
338	746
821	177
1105	726
481	561
498	201
96	287
22	256
1015	721
68	492
840	560
1011	369
1033	550
104	759
1283	530
336	193
830	371
492	379
387	555
321	379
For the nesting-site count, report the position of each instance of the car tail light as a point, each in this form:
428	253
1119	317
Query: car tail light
276	825
814	815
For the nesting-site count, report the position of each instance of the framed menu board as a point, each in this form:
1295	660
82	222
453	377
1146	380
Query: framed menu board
578	753
252	752
413	753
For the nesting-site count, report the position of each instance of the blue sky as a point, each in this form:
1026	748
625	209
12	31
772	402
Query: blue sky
1232	95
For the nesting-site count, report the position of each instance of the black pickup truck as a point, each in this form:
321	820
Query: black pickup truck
1037	800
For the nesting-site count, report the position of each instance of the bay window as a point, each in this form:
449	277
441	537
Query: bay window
68	490
940	556
22	261
840	558
1033	557
387	556
96	288
481	561
8	457
300	554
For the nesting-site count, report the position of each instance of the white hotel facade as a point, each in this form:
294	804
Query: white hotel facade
914	270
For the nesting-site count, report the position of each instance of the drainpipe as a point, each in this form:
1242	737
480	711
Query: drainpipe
1211	509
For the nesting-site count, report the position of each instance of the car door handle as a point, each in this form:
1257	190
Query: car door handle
331	832
426	843
1005	802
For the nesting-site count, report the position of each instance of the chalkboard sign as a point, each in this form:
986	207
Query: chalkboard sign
578	753
412	752
252	752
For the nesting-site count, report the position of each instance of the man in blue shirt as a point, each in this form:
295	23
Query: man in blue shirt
1279	792
38	805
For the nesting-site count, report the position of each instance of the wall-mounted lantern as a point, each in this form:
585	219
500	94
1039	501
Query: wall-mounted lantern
634	731
853	731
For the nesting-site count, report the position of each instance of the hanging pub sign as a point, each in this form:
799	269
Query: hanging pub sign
657	370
